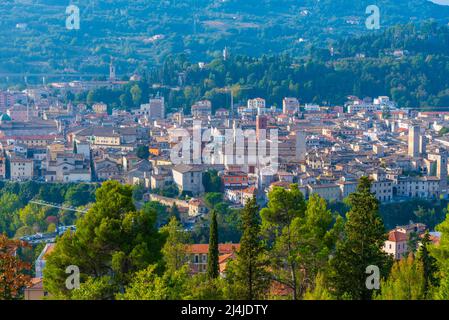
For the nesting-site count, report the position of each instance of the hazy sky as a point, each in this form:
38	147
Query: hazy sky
443	2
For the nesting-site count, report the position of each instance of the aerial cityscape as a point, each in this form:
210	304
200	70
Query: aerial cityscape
230	150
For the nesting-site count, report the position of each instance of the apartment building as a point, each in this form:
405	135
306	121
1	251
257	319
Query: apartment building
112	139
202	109
396	245
2	167
328	192
67	167
236	179
21	169
257	103
199	253
7	100
346	188
153	110
382	190
290	106
100	108
35	140
418	187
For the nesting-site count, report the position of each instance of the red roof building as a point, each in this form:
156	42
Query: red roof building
199	256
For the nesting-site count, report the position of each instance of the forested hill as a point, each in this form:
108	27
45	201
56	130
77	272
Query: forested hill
35	39
423	38
408	63
406	68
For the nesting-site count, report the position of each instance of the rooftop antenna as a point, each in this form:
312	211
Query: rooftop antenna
232	104
194	23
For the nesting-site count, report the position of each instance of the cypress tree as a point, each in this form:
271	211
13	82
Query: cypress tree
212	262
428	262
174	212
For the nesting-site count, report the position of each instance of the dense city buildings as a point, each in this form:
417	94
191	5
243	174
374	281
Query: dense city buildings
171	156
245	151
324	150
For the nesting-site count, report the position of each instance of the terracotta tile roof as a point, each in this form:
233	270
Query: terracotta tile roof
250	190
435	239
34	137
196	202
223	261
36	283
282	184
49	249
224	257
223	248
396	236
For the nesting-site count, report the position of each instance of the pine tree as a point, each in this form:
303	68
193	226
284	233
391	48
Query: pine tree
440	253
174	251
111	239
281	221
212	262
405	282
320	291
364	237
247	275
314	239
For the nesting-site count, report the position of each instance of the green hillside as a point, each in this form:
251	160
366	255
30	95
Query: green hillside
34	37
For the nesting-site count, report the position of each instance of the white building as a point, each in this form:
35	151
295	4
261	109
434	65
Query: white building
396	245
202	109
100	108
290	105
21	169
419	187
257	103
41	260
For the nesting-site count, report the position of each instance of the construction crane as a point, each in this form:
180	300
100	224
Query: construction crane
231	90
